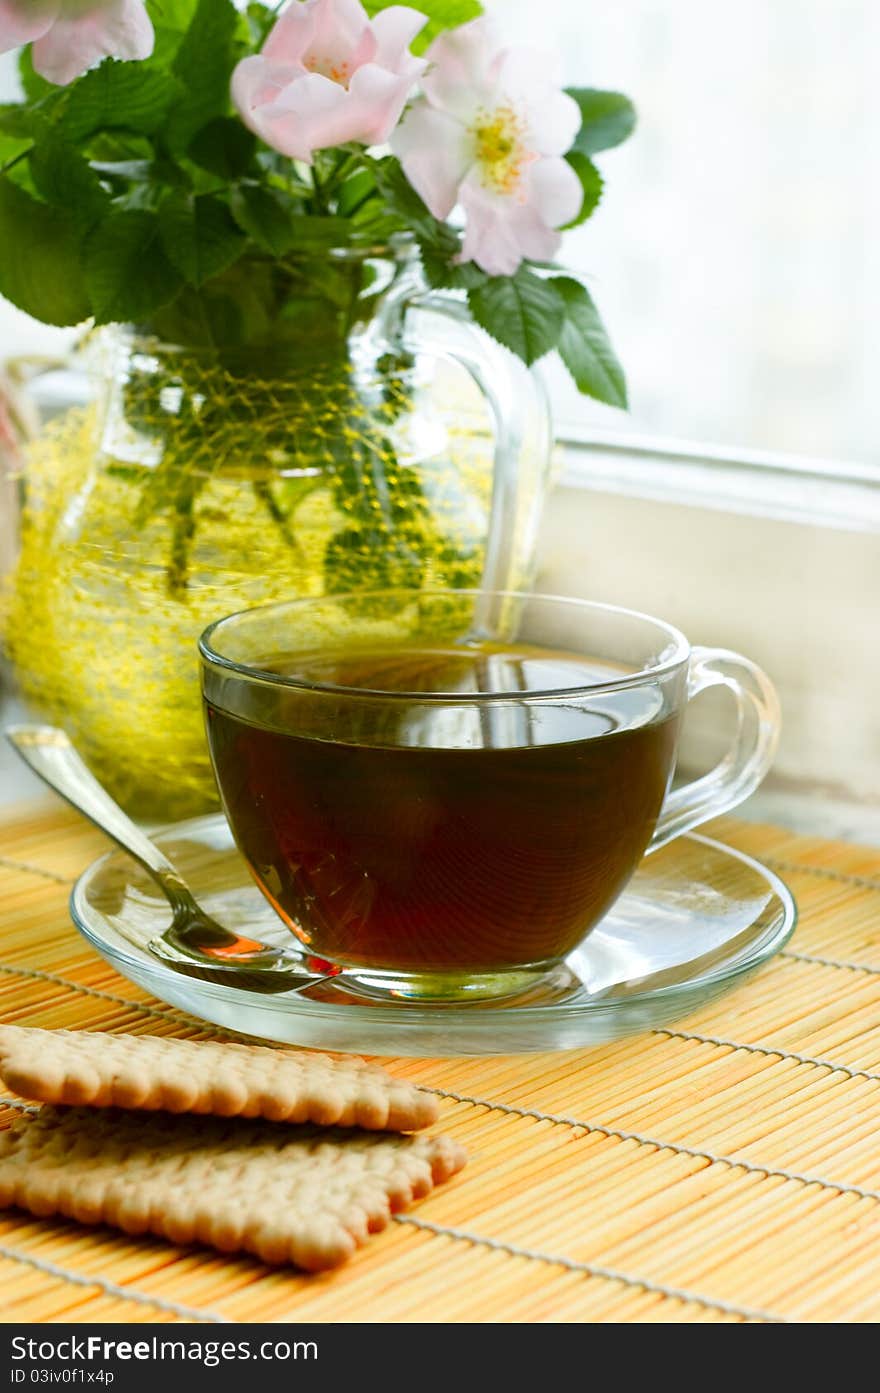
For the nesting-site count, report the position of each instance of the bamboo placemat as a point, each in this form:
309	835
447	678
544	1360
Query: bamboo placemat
724	1169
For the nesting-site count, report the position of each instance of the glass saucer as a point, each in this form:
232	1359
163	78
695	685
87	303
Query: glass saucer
694	920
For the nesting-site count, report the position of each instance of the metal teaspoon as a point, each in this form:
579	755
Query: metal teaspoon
193	936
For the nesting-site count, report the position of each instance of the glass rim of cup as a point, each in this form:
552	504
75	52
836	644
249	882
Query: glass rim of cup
666	663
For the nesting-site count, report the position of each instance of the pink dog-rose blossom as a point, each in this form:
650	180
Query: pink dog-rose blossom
327	75
489	134
70	36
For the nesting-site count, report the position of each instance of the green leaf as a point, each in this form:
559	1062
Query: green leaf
523	312
224	147
266	216
584	345
16	131
173	16
40	269
402	199
260	20
442	15
438	243
199	236
213	23
591	183
155	173
35	87
355	192
66	179
203	65
442	273
607	119
127	272
134	171
272	219
11	150
139	198
171	19
16	119
123	96
310	231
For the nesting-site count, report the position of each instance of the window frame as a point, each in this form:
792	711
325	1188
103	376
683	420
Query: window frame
755	483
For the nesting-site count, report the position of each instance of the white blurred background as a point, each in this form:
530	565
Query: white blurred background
736	256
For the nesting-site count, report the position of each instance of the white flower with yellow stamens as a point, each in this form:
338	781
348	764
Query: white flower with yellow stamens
490	134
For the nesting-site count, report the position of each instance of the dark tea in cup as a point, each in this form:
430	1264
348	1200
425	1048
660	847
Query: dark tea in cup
389	845
442	813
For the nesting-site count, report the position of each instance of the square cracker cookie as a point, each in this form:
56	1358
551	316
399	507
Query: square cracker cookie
152	1072
302	1195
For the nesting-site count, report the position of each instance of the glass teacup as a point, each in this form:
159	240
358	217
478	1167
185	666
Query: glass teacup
442	793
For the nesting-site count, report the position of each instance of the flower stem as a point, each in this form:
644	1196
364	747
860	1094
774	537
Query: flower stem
356	207
349	162
264	493
318	187
182	532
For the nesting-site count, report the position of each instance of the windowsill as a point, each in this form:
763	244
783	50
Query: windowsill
787	487
813	814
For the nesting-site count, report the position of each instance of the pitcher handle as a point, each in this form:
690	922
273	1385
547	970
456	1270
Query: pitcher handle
517	400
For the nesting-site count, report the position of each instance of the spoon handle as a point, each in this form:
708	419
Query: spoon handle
194	938
50	754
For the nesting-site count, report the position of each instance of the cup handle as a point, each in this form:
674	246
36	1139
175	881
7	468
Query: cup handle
750	755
